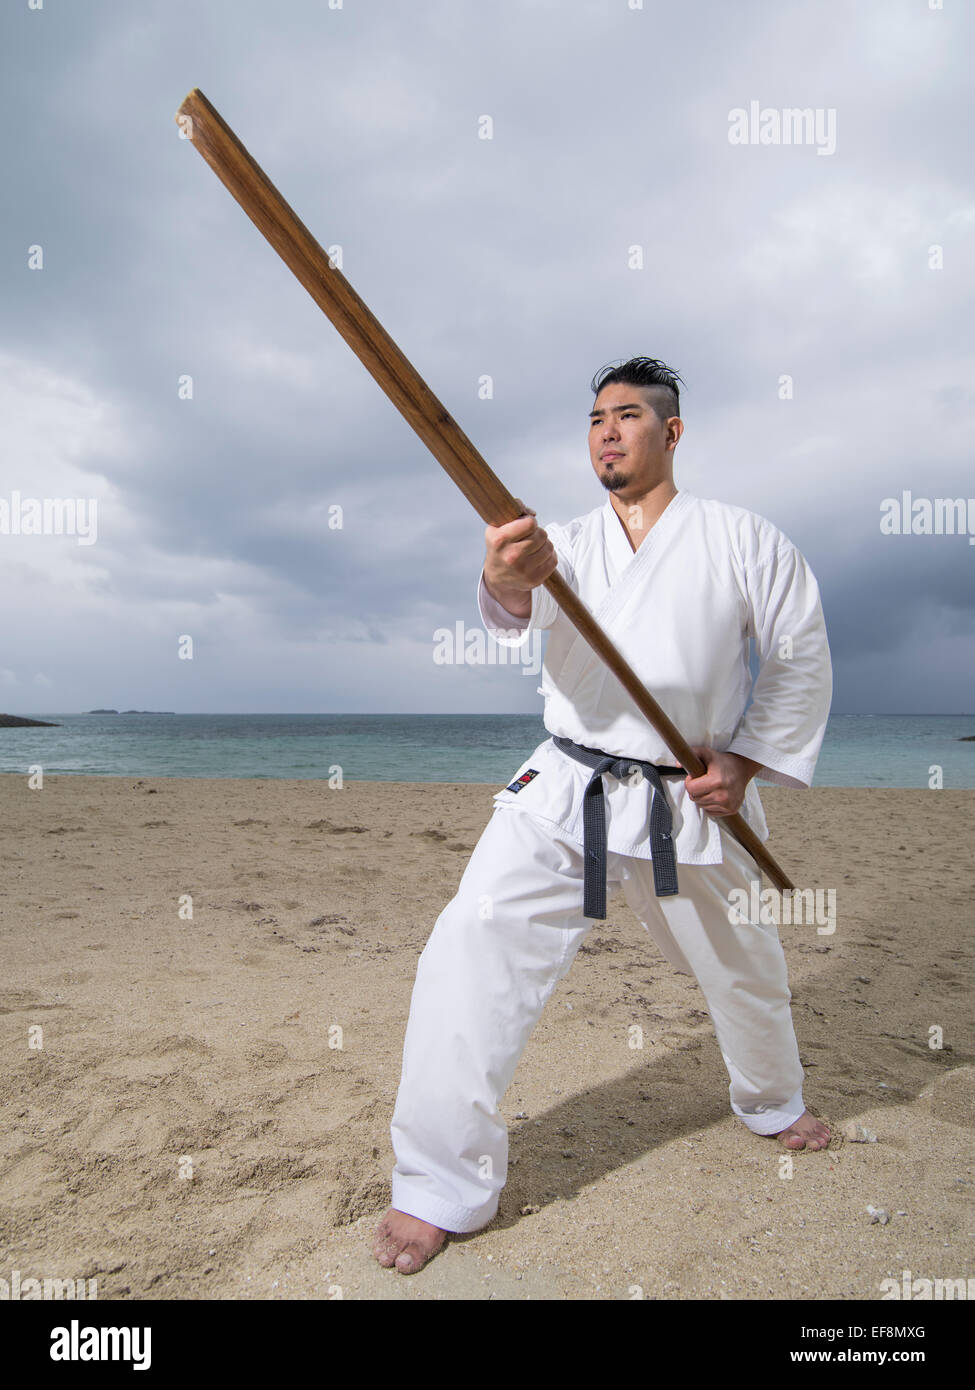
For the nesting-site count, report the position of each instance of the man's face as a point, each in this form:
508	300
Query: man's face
630	446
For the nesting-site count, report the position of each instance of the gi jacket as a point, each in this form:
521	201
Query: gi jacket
681	609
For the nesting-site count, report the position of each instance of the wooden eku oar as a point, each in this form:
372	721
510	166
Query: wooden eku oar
448	443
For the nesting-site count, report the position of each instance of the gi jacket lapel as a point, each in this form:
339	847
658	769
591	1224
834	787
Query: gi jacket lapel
631	570
637	570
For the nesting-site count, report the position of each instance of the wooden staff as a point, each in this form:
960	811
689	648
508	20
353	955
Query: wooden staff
448	443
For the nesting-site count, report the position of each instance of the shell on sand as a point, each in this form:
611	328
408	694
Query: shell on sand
857	1134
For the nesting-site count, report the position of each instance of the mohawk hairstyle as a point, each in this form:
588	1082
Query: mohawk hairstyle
657	377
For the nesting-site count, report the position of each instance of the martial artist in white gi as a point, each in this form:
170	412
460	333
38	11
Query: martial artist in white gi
680	584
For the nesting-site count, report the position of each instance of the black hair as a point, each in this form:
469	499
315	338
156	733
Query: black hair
660	379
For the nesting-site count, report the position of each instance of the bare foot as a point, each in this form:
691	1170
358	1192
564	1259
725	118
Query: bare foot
406	1242
806	1133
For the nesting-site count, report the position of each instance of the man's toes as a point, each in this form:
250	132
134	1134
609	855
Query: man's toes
385	1246
411	1258
405	1242
806	1133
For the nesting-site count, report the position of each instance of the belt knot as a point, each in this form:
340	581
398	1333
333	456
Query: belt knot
594	822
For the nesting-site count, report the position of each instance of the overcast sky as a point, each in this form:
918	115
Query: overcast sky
507	257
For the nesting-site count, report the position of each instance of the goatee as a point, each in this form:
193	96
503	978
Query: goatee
613	482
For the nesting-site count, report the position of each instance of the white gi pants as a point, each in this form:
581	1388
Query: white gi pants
482	983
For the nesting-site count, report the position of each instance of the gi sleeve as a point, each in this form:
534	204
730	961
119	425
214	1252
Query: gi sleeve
783	727
510	631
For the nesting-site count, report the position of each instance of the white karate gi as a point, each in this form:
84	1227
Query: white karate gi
681	608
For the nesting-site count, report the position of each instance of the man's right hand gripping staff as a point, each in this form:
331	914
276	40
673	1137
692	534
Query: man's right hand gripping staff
519	557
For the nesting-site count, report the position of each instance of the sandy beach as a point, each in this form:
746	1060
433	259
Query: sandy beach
199	1107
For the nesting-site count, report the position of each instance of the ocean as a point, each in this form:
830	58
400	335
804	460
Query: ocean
859	750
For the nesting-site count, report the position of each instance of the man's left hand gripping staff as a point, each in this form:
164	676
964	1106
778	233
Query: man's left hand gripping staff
721	789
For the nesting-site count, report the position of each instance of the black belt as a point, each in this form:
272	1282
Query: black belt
594	823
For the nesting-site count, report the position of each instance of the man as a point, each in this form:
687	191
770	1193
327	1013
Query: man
680	584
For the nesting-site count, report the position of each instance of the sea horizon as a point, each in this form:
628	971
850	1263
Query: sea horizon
859	749
439	714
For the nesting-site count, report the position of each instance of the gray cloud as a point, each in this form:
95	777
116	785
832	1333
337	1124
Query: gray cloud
505	257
